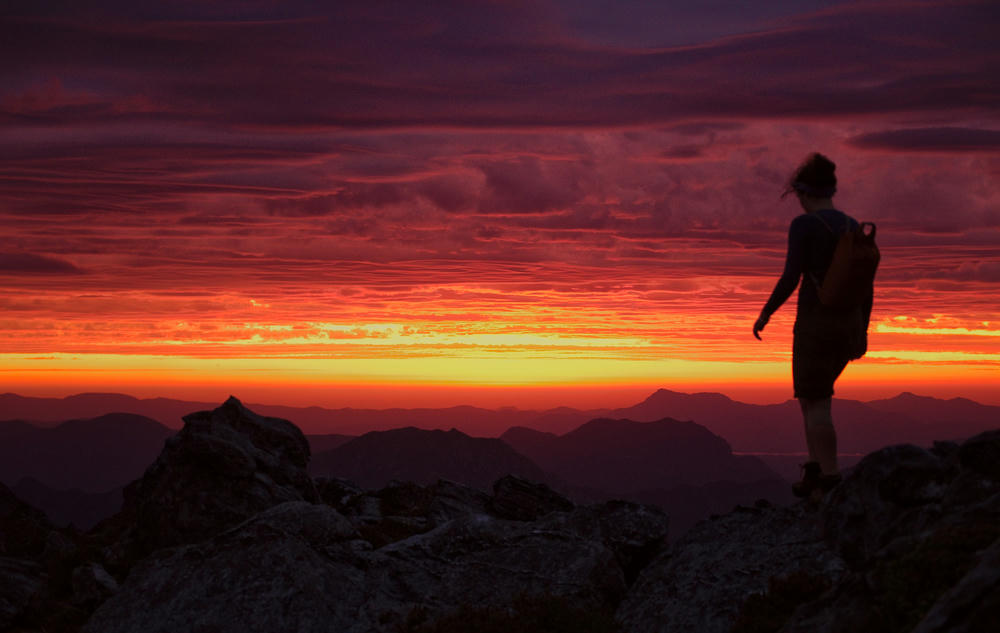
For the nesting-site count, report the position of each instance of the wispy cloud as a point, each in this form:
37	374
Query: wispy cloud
478	169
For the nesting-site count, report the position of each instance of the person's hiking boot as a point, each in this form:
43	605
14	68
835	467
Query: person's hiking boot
829	482
811	476
814	483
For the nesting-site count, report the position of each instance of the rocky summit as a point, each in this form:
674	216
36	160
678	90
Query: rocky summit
226	532
223	467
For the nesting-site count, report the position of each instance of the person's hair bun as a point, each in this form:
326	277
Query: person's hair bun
814	177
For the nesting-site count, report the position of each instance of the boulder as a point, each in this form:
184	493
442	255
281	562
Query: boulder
943	572
302	567
522	500
702	581
973	604
92	585
289	568
22	583
981	454
336	492
918	529
401	509
222	468
886	494
24	580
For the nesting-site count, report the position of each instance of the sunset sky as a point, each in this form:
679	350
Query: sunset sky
497	203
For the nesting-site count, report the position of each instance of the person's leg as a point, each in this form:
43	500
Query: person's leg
810	442
821	437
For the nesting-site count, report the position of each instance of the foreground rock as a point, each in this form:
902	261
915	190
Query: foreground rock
36	565
702	582
909	542
222	468
919	530
306	567
226	533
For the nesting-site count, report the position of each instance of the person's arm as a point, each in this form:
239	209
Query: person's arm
867	307
789	279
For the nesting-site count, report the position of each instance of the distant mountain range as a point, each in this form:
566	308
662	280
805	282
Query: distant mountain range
312	420
423	457
861	426
673	449
681	466
82	509
95	455
625	457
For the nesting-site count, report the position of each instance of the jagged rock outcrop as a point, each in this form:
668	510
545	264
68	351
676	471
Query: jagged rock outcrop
23	578
222	468
919	530
335	557
908	542
401	509
92	585
702	581
36	561
289	568
306	567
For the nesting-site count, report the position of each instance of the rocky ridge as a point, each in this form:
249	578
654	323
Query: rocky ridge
227	532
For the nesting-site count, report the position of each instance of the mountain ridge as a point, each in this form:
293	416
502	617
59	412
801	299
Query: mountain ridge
862	426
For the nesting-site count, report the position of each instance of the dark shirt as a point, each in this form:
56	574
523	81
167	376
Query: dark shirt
810	248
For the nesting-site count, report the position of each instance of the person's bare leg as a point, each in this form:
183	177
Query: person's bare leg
821	437
810	440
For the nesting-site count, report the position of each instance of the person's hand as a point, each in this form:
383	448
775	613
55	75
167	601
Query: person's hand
759	325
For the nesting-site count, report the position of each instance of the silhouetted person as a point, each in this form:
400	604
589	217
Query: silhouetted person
825	338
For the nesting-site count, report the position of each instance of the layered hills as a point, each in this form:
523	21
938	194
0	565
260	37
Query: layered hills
626	456
93	455
862	426
420	456
75	470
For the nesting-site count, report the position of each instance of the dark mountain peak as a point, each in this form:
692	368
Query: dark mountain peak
94	454
102	399
112	422
909	396
666	395
406	433
424	456
605	427
666	437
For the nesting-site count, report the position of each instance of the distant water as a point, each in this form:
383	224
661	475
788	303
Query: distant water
803	454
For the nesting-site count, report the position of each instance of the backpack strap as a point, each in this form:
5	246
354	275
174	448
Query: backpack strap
815	280
827	224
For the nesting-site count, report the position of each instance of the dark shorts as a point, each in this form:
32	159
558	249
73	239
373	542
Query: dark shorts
821	349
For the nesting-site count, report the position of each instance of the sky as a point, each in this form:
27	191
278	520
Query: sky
560	202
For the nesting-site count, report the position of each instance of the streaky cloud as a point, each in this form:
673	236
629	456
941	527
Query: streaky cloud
31	263
931	139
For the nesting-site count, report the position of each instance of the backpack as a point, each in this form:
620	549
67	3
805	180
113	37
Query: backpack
849	279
